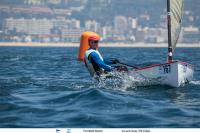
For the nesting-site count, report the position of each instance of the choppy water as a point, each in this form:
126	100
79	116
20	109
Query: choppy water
47	87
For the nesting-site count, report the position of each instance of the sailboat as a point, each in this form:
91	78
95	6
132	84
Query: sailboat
173	73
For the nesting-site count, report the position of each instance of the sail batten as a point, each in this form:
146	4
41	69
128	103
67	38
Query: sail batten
176	10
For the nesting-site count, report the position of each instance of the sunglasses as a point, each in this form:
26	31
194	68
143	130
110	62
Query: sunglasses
94	42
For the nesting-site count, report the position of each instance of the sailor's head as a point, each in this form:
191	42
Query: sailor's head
93	42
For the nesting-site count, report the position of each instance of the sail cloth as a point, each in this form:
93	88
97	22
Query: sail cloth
176	8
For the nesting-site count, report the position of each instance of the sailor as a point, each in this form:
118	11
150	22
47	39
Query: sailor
94	62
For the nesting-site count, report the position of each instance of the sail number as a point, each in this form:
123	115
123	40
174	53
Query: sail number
166	68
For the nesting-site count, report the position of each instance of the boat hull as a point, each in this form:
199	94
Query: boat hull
173	74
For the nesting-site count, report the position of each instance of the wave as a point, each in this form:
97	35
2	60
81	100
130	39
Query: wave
195	82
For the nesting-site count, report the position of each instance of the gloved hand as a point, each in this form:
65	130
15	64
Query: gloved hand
115	61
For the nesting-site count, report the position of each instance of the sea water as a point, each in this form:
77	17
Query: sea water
48	87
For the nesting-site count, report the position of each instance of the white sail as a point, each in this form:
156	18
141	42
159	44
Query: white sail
176	9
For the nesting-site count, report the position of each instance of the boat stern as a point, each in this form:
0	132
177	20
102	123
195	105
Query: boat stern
185	73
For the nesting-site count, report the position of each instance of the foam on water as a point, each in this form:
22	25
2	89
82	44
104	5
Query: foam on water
123	81
195	82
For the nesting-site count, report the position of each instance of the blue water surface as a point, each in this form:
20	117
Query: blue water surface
48	87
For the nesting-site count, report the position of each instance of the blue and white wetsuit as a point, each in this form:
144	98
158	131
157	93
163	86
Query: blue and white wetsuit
95	63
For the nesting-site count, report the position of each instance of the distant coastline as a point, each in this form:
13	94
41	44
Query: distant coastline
134	45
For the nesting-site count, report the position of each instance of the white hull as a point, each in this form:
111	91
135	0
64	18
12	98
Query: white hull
173	74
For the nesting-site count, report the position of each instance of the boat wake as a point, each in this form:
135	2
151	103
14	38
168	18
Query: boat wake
124	81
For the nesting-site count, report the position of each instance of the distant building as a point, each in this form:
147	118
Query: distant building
33	2
155	35
120	25
191	35
132	23
74	3
46	30
143	20
107	33
140	35
66	23
75	24
60	23
40	2
55	1
29	26
92	25
163	21
71	35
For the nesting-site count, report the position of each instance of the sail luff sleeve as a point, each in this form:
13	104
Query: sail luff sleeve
176	8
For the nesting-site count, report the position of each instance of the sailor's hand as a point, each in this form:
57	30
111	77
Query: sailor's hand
121	68
115	61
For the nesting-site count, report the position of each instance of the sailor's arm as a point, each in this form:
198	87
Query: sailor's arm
101	64
107	61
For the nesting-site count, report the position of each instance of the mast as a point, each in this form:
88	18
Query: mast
169	32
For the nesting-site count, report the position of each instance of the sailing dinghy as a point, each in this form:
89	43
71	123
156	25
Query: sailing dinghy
173	73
